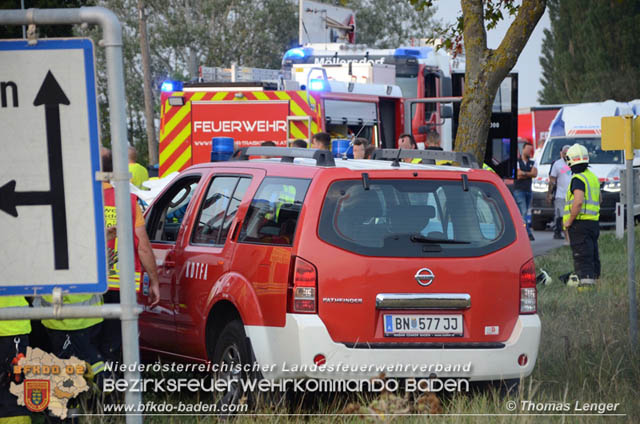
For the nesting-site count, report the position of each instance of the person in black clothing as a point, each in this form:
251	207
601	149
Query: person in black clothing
522	184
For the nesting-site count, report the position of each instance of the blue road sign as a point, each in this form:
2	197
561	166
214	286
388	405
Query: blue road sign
51	207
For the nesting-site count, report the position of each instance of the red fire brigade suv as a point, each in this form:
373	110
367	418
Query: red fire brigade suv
302	259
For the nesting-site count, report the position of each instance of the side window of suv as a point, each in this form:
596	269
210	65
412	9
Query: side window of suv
166	217
273	214
218	209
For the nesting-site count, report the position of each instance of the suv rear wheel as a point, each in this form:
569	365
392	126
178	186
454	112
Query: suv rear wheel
230	352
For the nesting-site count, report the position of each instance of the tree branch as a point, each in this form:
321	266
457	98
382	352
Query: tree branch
506	55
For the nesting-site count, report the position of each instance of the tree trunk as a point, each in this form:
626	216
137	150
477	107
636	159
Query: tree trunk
475	118
486	68
148	94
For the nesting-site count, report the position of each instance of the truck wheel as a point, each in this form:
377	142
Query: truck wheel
231	350
538	224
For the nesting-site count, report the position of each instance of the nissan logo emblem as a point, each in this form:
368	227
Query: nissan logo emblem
424	277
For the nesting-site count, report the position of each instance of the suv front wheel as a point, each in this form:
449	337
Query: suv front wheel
231	354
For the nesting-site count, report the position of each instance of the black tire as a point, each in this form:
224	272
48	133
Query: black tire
538	224
231	349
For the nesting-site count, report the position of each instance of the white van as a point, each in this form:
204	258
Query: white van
580	124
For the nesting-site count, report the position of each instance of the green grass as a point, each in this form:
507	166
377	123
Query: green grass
584	357
585	349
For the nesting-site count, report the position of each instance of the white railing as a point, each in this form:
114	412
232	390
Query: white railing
241	74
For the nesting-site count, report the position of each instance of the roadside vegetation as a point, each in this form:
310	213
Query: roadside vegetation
584	357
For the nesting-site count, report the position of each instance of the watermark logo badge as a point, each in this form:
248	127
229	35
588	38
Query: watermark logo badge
36	394
49	382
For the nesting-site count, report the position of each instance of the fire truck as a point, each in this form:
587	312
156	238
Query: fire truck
257	106
377	96
420	72
432	85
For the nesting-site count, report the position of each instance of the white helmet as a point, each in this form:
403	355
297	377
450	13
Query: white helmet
577	154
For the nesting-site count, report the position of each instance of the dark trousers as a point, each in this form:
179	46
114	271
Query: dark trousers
82	344
8	402
583	237
111	333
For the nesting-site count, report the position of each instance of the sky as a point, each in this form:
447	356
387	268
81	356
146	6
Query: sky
528	65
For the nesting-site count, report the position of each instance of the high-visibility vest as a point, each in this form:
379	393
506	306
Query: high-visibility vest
14	327
487	168
591	204
139	174
287	195
110	219
71	324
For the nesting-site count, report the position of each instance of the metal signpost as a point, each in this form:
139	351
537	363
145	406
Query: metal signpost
623	133
51	211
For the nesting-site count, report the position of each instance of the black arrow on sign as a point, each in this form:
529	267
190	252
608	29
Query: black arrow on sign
51	96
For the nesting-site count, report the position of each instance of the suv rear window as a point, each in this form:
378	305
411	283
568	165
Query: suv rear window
273	214
416	218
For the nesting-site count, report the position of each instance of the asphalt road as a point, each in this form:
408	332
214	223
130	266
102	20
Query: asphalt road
544	242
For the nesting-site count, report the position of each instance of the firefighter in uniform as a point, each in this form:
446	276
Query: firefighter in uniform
14	338
110	339
76	336
581	216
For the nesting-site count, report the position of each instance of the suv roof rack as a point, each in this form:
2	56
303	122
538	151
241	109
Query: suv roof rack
428	156
322	157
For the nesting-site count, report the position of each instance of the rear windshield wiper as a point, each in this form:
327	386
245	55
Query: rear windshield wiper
419	238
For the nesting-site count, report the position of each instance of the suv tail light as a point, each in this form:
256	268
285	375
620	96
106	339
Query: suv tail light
528	290
303	288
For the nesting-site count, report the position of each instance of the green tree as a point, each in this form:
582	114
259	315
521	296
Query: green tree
390	24
184	34
485	68
43	30
590	53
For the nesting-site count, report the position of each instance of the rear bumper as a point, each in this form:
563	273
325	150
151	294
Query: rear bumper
288	352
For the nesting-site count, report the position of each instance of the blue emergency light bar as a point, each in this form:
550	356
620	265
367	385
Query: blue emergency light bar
419	52
318	85
296	53
170	85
